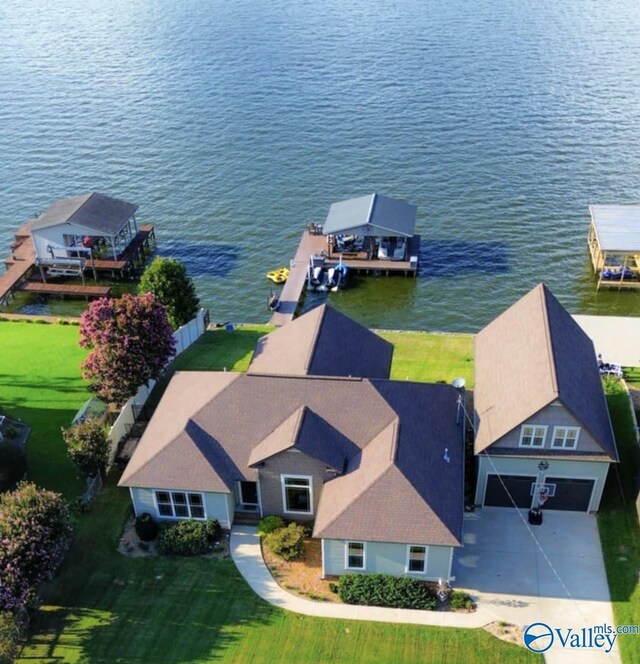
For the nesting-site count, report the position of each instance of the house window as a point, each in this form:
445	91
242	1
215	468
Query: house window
565	437
532	435
180	505
354	554
417	559
296	494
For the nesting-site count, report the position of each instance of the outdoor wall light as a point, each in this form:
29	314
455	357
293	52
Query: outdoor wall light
543	465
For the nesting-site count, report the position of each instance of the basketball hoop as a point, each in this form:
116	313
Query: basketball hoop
543	494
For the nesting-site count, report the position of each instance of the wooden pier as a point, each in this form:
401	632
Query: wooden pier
20	266
65	289
313	244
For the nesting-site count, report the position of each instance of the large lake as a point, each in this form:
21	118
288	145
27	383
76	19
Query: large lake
234	124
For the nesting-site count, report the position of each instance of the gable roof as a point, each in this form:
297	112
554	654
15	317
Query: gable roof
96	212
323	342
371	215
549	357
303	430
401	488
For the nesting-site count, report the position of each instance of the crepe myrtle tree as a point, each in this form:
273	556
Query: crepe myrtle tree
168	280
131	343
35	529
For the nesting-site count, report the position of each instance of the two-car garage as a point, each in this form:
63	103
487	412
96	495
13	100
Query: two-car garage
565	493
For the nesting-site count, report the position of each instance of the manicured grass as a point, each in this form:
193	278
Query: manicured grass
431	358
40	384
217	350
618	524
105	607
632	376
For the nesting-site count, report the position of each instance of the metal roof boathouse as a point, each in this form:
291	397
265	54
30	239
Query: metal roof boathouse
614	244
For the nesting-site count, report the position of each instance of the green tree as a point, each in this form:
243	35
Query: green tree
10	633
88	446
168	280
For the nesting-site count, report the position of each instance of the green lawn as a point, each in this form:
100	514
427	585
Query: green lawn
431	358
105	607
40	384
618	524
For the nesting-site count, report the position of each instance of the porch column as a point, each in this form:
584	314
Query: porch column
113	248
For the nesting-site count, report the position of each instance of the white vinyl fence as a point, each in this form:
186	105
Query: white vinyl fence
184	337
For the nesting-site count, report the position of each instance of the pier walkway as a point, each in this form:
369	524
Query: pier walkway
311	244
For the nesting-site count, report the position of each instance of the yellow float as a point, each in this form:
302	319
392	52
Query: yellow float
278	276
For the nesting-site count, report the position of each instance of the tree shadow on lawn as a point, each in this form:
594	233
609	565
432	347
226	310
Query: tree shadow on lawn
150	615
48	464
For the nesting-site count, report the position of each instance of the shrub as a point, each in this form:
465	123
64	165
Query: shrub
10	633
268	524
334	587
35	529
386	590
288	543
88	446
146	527
460	600
13	465
188	538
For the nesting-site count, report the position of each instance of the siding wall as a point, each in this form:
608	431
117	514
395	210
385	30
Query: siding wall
54	236
290	462
551	416
596	470
387	558
217	505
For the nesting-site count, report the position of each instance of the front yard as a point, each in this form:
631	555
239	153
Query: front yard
105	607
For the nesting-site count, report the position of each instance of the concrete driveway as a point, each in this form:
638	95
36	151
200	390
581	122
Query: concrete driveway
553	573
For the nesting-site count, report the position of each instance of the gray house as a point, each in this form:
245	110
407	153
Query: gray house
543	432
376	464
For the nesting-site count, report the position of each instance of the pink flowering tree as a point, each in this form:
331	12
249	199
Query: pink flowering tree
131	342
35	529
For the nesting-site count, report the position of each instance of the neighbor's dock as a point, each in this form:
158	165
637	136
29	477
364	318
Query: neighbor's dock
614	245
314	244
20	266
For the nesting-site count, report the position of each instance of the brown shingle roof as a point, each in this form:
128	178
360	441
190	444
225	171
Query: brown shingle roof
307	432
407	484
96	212
531	355
323	342
210	427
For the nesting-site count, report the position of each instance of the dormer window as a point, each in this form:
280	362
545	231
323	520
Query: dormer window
532	435
565	438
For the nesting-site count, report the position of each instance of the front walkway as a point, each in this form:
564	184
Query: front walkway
247	555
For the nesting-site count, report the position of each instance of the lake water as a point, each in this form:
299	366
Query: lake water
234	124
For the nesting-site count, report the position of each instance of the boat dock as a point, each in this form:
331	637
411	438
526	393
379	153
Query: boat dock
22	263
315	244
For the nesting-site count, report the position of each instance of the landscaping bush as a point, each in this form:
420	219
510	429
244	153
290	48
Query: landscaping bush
13	465
88	446
386	590
288	543
35	529
10	633
268	524
188	538
459	600
146	527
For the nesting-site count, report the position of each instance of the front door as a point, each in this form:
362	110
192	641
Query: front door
249	496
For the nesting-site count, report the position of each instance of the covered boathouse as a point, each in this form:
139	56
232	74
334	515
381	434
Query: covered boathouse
614	244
